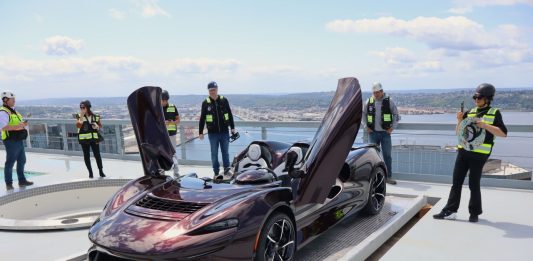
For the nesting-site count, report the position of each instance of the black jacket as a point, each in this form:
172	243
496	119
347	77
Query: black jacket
216	115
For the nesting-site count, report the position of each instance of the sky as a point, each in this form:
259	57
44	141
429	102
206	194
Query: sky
69	48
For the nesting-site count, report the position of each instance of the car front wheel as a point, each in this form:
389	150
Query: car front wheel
376	194
277	239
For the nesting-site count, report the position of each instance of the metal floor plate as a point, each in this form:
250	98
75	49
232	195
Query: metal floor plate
335	243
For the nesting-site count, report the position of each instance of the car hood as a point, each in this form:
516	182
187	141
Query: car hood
161	219
332	143
148	122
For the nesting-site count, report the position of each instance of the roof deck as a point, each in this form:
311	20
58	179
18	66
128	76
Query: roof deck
505	230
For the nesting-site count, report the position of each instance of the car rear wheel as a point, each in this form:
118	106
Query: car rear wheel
277	239
377	190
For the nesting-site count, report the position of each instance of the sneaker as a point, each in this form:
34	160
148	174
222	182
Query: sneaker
473	218
9	187
390	181
25	183
445	214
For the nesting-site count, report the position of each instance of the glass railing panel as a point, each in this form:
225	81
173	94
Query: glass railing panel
421	149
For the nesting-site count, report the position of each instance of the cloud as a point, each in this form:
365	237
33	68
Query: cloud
406	63
62	45
116	14
466	6
112	67
151	8
454	32
203	65
119	75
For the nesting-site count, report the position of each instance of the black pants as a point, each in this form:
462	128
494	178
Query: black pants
464	162
87	155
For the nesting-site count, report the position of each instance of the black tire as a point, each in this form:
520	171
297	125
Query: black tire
277	240
376	193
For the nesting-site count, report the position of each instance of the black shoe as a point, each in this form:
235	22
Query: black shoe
9	187
102	174
445	214
25	183
473	218
90	175
390	181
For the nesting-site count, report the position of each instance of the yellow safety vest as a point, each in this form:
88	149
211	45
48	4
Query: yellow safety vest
171	109
386	113
209	117
14	119
91	134
488	118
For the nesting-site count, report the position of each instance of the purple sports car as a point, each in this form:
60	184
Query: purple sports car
278	198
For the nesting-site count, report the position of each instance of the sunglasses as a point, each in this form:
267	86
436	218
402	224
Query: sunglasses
477	97
82	107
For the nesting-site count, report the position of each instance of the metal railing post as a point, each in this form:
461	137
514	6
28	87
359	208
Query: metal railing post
263	133
64	136
183	140
120	141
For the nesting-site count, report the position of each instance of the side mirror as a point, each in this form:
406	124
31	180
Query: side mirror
292	157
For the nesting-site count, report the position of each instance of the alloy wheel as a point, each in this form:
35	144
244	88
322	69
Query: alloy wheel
377	193
280	241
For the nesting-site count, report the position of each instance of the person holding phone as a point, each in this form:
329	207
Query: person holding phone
14	133
472	160
88	125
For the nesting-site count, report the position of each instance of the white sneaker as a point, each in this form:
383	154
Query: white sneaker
446	215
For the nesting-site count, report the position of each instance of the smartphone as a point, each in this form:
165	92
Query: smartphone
75	116
463	106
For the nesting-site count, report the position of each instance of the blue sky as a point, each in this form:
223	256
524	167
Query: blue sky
109	48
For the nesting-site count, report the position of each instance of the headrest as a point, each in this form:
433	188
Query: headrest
299	152
254	152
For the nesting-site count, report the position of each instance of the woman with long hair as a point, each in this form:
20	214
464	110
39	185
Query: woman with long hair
88	125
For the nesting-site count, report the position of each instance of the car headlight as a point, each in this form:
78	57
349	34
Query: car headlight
217	226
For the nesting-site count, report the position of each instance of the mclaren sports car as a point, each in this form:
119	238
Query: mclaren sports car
277	198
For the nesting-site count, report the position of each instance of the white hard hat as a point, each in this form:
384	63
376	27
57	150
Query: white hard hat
8	94
376	87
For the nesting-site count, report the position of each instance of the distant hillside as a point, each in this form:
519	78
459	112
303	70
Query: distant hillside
515	100
509	99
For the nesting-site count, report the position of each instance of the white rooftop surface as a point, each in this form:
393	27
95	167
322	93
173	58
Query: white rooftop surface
504	231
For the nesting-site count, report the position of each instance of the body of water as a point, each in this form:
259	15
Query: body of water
516	148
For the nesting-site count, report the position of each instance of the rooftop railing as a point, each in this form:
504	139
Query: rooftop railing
421	151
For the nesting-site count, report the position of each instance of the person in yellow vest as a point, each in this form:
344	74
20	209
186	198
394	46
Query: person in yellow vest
172	119
216	115
472	158
381	117
88	125
14	133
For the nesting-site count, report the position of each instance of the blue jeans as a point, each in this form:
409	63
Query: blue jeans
14	152
222	139
382	138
